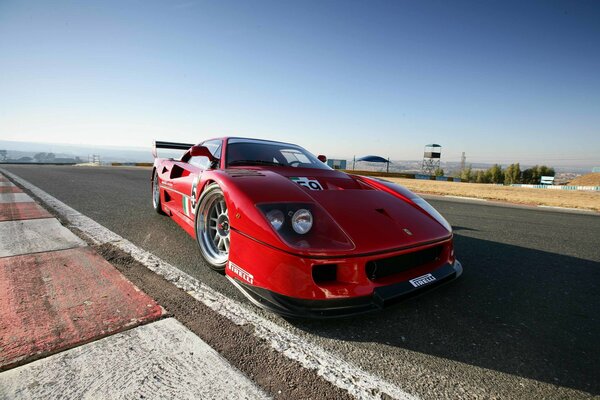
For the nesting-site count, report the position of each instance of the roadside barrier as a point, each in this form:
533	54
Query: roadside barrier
402	175
132	164
559	187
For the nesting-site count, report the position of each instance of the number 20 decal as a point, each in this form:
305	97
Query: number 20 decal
312	184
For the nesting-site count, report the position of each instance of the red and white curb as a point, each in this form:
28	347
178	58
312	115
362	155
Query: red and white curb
161	360
568	209
464	198
60	300
14	198
35	236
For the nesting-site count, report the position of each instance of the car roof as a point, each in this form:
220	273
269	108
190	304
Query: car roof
250	140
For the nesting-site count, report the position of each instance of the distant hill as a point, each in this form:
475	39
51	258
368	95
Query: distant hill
25	151
587	180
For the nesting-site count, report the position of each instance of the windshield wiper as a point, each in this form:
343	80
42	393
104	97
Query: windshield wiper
253	162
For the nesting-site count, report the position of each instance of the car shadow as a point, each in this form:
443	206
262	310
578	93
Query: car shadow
463	228
515	310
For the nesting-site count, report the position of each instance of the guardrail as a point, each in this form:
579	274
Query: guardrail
35	163
132	164
402	175
558	187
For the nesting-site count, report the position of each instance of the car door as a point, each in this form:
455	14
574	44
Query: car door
185	178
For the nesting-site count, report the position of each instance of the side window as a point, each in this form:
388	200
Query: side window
214	146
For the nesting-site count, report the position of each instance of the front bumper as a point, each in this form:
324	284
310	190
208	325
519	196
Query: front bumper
383	296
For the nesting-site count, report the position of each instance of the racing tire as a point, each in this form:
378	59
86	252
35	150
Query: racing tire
212	227
156	202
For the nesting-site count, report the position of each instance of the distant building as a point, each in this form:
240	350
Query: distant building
65	160
336	164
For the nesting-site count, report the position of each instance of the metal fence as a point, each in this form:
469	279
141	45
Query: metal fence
566	187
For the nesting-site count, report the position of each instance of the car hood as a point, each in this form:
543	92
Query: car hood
373	220
377	221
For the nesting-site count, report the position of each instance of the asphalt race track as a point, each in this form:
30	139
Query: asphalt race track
522	321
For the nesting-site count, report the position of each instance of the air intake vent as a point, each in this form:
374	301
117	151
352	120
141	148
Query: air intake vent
378	269
324	273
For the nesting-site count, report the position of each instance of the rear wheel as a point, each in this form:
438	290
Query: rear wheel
156	204
212	227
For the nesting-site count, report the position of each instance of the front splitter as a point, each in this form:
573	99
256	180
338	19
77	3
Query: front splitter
382	297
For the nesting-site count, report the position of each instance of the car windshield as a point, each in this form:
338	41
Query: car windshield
257	152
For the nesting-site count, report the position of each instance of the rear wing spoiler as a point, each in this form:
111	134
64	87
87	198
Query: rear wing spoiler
169	145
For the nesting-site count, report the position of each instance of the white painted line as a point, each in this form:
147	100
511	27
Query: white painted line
568	208
162	360
465	198
34	236
15	198
4	184
358	382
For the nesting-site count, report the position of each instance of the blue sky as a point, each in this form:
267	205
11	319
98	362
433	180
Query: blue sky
502	81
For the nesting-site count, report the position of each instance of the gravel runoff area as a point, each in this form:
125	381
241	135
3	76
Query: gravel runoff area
519	195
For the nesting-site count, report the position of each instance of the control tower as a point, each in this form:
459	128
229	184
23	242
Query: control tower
431	159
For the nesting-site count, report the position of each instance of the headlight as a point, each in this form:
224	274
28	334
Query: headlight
433	212
276	218
302	221
305	226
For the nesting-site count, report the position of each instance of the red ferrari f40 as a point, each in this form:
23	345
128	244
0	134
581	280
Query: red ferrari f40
297	237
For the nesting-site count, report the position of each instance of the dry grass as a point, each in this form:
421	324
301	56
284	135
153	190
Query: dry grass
592	179
547	197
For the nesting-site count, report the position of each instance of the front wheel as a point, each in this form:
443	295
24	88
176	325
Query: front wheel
212	227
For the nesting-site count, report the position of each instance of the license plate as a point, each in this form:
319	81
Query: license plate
422	280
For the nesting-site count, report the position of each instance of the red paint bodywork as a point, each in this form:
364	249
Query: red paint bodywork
369	220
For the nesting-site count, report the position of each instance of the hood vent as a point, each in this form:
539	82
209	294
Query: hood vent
240	173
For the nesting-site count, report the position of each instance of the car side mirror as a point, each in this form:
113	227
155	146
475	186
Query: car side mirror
322	158
201	151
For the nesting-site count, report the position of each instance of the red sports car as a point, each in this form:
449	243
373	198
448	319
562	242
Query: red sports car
297	237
